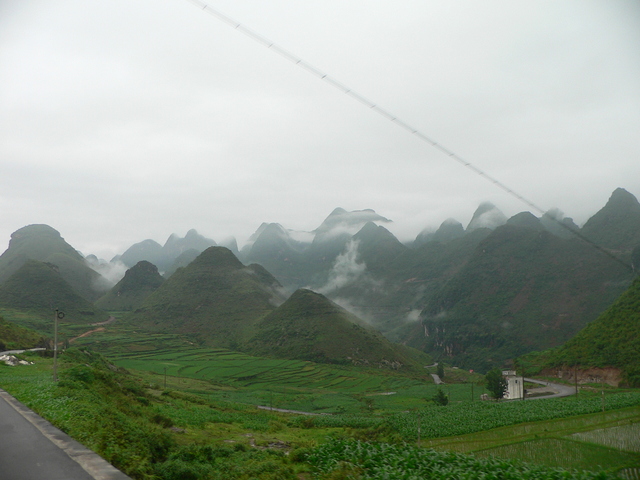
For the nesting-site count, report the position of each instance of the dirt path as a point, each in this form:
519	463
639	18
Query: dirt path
86	334
109	321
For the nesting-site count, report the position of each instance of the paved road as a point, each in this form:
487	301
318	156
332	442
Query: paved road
561	390
16	352
33	449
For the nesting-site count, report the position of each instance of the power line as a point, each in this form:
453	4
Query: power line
391	117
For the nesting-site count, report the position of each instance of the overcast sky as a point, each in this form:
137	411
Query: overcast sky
122	120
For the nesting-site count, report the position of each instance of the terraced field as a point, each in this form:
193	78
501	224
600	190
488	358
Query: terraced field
289	384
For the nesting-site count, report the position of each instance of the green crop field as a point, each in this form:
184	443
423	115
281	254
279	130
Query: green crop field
366	461
289	384
211	394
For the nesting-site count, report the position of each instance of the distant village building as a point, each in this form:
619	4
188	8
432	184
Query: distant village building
515	385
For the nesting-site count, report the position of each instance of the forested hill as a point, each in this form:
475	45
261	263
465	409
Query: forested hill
612	340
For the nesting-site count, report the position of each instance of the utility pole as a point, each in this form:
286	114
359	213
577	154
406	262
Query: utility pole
58	315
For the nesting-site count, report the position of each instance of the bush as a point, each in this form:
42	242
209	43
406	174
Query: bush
440	398
181	470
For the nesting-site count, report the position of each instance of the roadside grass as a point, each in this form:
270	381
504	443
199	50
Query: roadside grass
113	413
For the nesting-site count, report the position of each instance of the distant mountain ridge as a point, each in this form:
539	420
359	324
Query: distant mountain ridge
164	256
617	224
476	297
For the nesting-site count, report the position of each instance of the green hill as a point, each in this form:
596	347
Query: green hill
39	288
612	340
43	243
309	326
521	290
215	297
138	283
14	337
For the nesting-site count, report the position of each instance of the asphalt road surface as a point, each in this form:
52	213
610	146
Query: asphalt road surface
33	449
561	390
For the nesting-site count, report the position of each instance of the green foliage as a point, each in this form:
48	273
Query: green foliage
13	337
117	415
440	370
206	462
517	280
308	326
469	417
440	398
612	340
376	461
496	383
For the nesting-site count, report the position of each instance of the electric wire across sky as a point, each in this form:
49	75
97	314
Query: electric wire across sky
392	118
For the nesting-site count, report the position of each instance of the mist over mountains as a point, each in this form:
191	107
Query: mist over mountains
475	296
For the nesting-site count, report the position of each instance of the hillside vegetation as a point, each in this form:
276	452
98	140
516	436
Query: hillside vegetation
14	337
138	283
308	326
44	244
612	340
215	298
39	288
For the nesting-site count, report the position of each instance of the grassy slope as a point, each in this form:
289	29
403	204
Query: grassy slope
14	337
308	326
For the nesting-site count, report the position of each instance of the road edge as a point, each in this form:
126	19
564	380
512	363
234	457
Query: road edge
91	462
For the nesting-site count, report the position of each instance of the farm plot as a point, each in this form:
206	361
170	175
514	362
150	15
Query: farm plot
564	453
464	418
348	459
622	437
289	384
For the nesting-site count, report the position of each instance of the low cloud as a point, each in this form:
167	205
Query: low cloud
111	272
346	269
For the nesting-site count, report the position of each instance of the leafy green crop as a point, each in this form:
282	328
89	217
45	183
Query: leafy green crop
366	461
460	419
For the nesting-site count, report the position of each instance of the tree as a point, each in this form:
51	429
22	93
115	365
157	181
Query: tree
496	383
440	398
440	370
